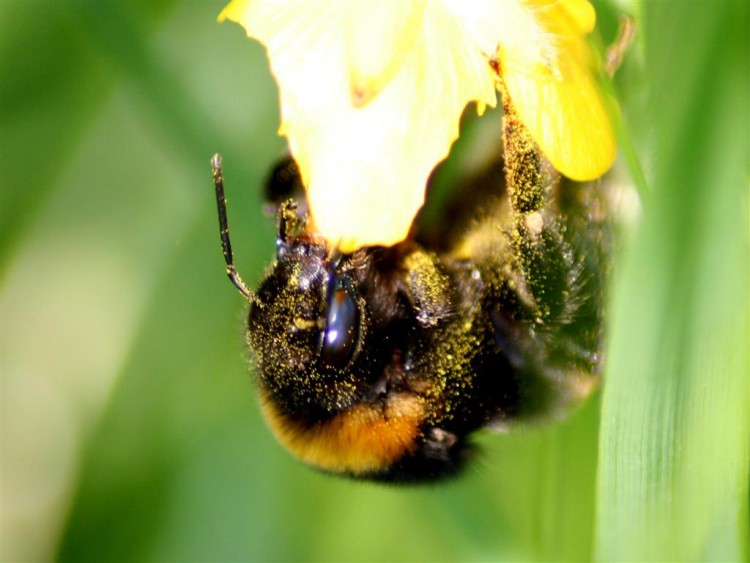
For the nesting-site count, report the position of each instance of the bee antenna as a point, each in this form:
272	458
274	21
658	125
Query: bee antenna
226	245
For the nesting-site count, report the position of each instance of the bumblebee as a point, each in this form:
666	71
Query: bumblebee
380	364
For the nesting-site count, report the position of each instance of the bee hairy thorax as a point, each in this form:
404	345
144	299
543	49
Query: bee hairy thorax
381	363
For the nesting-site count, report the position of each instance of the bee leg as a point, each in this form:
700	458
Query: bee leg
537	242
428	288
527	175
555	245
559	276
545	259
290	225
438	444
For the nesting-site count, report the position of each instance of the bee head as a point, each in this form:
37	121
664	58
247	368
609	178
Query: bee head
307	325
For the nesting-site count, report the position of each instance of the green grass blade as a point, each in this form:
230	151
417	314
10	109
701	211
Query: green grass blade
673	474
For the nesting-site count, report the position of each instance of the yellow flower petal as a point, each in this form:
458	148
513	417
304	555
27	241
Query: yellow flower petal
560	101
568	120
566	16
366	166
379	34
371	93
507	23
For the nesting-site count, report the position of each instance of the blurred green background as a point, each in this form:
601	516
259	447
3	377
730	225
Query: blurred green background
130	429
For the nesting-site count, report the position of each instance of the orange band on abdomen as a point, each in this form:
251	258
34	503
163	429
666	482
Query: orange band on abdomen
363	439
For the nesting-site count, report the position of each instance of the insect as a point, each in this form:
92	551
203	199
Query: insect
380	364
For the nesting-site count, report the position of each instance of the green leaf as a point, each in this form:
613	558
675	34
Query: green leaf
673	473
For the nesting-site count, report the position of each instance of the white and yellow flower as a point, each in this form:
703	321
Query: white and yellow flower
372	91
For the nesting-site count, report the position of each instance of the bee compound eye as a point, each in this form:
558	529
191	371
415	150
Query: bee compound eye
342	326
